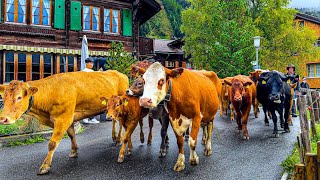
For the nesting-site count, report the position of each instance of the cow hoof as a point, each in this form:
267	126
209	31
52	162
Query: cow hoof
207	152
128	152
267	124
290	123
276	135
256	116
44	169
142	140
162	153
194	161
149	141
281	125
73	154
120	159
245	138
178	167
287	130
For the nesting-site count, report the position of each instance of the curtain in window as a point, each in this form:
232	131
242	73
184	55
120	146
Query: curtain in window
115	21
311	70
46	12
106	20
10	10
21	11
35	12
95	18
317	70
86	17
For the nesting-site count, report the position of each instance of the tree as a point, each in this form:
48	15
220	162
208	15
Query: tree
119	60
282	39
219	35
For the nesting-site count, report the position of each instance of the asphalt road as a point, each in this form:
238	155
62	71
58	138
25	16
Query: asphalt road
232	158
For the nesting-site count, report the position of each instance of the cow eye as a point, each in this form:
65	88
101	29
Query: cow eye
139	84
19	98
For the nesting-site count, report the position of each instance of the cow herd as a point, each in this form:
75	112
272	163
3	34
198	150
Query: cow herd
186	99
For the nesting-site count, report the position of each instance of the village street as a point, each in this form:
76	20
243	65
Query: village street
232	158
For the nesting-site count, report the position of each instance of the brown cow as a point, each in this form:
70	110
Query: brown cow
59	100
126	109
242	95
224	98
193	100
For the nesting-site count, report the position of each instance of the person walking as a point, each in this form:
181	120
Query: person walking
89	66
291	72
304	85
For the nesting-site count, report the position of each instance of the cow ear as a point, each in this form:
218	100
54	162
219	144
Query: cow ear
294	85
138	69
2	89
228	82
174	73
250	73
247	83
32	90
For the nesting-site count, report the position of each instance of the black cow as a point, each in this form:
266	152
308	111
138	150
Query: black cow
274	93
158	112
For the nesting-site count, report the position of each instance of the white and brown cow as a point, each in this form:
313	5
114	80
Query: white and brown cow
194	99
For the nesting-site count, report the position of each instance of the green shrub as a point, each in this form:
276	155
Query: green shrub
37	139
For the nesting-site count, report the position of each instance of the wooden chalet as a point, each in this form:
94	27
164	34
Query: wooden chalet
170	53
312	67
39	38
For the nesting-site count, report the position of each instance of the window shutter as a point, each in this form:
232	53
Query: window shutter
1	14
127	22
75	16
59	14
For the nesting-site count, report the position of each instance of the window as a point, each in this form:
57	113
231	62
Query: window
318	43
111	21
9	66
301	24
91	16
35	66
171	64
188	65
22	64
15	11
41	10
67	63
47	65
317	70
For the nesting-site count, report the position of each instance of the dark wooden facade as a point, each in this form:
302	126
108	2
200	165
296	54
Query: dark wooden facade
34	45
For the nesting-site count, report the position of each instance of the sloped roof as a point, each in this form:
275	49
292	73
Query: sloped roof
163	46
308	18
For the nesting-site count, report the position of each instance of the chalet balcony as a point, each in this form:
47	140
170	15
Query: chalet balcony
146	45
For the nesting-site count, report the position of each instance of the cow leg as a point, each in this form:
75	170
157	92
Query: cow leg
114	128
280	111
221	108
287	116
208	148
274	118
150	130
194	159
62	123
238	114
244	122
127	138
204	134
141	131
187	134
179	166
255	107
165	123
118	139
266	121
231	113
74	147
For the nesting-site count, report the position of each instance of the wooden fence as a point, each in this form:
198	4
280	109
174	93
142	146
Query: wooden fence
309	166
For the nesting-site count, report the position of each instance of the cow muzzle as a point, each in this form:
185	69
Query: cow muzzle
237	98
275	98
146	102
5	120
129	92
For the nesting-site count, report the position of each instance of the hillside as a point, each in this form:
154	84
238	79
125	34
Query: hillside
167	22
310	11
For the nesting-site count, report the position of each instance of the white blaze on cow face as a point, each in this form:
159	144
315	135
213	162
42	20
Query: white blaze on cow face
181	124
153	93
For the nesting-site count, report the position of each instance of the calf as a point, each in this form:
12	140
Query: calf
242	94
59	100
158	112
127	111
194	99
274	93
224	98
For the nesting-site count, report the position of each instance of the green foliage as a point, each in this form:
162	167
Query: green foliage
219	36
173	10
12	128
36	139
294	157
157	27
281	39
119	60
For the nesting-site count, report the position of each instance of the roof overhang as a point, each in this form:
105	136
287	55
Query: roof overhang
308	18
